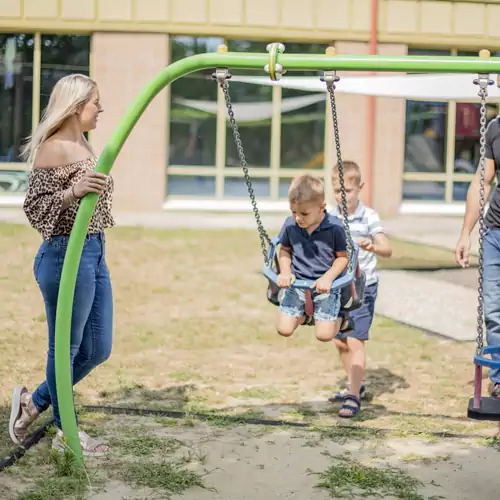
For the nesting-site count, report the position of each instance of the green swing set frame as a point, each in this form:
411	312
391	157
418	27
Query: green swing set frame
275	63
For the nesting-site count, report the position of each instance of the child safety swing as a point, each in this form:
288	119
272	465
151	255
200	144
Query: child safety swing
351	282
482	408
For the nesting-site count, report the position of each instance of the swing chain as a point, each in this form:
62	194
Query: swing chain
483	81
222	76
330	78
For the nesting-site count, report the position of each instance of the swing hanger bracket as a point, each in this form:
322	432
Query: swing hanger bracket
330	78
483	80
222	75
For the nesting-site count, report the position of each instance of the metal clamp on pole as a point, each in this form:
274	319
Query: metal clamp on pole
483	79
330	77
222	75
274	68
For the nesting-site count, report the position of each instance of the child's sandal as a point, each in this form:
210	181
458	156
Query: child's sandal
351	406
339	396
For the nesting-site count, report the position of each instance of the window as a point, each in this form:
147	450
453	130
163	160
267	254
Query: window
303	119
193	110
253	108
203	159
22	102
61	55
426	125
441	145
16	98
467	136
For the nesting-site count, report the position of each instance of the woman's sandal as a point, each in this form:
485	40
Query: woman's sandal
90	447
350	410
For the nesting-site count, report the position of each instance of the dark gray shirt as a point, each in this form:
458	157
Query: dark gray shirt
313	254
492	218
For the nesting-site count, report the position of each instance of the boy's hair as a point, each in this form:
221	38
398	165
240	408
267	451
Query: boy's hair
306	188
351	171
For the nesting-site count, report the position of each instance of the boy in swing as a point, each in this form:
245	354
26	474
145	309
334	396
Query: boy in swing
367	231
312	247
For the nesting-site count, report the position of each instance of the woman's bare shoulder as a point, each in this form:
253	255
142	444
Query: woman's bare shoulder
52	153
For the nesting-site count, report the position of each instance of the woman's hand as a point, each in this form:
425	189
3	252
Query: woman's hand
93	182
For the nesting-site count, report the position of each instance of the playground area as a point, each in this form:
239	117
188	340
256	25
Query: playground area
194	334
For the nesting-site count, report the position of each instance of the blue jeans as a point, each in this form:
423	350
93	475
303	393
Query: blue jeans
92	317
491	288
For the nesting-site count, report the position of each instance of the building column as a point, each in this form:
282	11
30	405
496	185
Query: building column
122	64
389	133
390	121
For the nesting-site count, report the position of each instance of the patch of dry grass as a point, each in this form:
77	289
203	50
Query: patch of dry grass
193	330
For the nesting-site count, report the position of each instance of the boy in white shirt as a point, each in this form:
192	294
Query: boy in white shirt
367	231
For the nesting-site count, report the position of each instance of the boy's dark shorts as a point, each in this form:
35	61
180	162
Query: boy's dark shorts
363	316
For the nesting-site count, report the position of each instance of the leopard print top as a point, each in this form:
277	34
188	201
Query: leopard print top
44	198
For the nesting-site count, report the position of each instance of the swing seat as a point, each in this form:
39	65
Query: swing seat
489	409
481	360
351	284
352	295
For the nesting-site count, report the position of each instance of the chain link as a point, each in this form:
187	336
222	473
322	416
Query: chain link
330	85
265	240
483	93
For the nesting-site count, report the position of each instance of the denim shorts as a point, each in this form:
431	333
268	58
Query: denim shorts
326	305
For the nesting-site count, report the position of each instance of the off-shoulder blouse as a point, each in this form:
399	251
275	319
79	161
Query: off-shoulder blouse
44	198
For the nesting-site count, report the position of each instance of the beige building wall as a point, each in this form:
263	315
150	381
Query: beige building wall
389	133
459	23
137	30
390	120
122	64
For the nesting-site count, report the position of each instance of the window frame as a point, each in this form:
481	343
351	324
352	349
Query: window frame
449	176
274	173
36	98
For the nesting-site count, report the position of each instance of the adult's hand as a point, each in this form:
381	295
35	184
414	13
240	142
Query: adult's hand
462	251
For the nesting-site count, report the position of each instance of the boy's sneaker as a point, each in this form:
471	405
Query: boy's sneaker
339	396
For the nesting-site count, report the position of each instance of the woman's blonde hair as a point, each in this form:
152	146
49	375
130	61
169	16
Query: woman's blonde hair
68	94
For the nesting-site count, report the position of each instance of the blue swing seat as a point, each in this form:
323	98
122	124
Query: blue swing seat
480	360
489	407
346	278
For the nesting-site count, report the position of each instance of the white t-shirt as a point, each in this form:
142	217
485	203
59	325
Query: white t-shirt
364	223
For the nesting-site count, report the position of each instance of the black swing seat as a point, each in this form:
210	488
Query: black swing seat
352	284
489	409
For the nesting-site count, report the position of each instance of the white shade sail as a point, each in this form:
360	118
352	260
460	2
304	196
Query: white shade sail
254	111
435	87
422	87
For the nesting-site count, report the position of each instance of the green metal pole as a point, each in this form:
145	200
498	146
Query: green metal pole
290	62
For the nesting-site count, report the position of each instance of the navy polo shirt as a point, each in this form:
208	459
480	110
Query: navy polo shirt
313	254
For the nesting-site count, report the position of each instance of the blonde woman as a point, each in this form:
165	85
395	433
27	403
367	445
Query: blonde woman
63	172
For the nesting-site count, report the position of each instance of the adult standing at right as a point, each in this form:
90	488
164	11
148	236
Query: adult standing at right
491	255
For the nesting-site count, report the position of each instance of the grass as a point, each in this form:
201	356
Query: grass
167	476
348	478
194	332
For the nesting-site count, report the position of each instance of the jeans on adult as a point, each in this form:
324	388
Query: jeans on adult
491	288
92	317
